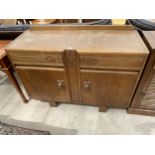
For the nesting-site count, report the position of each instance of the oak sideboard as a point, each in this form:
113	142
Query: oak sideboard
91	65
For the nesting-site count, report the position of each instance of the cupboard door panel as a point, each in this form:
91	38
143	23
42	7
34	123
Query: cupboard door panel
107	88
45	83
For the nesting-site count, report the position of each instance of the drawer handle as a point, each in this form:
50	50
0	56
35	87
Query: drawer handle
86	84
60	83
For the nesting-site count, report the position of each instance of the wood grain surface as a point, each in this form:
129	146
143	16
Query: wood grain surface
94	65
144	98
98	41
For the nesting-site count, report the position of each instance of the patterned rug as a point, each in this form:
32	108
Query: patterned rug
6	129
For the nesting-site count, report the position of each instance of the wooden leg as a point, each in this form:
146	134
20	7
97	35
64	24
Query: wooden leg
12	78
53	103
103	109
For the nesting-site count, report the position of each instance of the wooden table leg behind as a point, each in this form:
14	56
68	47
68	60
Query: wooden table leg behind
7	67
11	76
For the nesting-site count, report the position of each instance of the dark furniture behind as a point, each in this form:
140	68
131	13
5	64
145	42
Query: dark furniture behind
13	31
144	98
6	66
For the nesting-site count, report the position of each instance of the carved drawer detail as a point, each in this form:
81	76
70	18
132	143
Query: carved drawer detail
36	58
107	62
88	61
54	59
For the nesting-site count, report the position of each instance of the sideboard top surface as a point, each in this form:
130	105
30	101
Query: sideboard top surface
82	40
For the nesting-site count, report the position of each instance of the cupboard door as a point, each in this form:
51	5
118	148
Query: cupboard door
107	88
48	84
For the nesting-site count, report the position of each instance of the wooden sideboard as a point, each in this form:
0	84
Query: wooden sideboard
92	65
144	98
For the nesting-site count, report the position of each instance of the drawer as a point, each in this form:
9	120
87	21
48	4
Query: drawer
95	61
126	62
36	58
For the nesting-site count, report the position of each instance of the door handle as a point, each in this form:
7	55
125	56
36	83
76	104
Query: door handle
60	83
86	85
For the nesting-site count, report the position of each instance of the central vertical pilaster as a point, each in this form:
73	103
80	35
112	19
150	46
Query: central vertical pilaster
71	63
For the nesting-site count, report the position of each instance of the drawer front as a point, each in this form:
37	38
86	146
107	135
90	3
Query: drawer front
55	59
36	58
113	62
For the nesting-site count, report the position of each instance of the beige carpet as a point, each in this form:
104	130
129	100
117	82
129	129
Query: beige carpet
68	118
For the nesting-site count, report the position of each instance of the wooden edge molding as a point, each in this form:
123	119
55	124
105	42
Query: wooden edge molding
81	27
137	111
